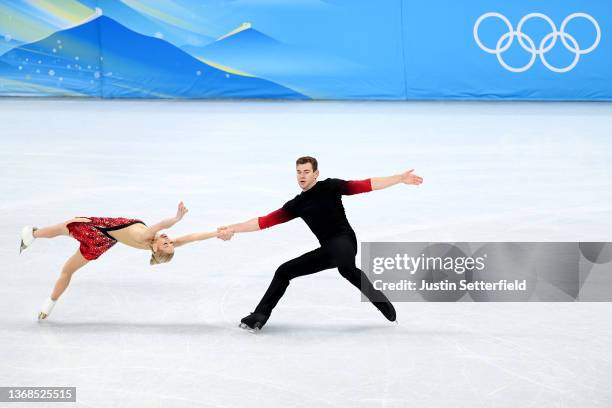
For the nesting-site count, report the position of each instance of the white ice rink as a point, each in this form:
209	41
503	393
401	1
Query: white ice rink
130	335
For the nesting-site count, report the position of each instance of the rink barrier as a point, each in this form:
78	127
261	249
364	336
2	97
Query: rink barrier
391	50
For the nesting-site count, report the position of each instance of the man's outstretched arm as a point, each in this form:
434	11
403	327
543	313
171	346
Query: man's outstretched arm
255	224
378	183
407	177
246	226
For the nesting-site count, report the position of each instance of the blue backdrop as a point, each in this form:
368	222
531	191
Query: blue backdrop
307	49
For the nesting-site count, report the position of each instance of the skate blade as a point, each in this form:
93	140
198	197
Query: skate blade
42	316
247	328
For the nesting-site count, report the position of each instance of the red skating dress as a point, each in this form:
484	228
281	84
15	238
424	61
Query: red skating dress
94	237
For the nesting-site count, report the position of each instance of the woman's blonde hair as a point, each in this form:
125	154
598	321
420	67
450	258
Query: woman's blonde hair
160	257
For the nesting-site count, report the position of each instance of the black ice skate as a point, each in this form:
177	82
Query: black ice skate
254	322
387	309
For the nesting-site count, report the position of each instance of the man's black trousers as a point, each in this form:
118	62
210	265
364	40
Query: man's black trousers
337	252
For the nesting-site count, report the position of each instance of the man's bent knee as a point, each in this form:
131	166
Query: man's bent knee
288	270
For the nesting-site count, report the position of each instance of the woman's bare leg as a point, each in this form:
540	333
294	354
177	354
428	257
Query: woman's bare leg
57	230
51	231
73	264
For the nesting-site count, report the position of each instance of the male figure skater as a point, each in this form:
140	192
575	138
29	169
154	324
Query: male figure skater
320	206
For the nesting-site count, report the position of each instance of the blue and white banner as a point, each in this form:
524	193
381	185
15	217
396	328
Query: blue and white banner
307	49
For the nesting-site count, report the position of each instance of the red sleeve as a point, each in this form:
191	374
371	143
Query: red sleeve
357	187
275	217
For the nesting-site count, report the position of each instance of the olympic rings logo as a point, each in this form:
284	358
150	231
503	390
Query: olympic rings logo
547	43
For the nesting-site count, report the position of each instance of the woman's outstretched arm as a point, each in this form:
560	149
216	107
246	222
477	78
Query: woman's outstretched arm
165	224
196	236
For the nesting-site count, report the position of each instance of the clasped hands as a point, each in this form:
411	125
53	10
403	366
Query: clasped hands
224	233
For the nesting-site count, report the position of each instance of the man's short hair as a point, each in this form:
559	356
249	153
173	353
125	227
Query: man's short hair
308	159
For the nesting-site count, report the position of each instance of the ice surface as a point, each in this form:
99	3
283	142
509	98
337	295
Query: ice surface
130	335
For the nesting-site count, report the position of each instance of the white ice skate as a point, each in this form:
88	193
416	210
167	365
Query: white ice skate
46	309
27	237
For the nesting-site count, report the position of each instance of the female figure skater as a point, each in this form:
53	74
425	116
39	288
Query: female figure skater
97	235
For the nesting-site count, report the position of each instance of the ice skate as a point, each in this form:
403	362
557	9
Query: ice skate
27	237
387	309
253	322
46	309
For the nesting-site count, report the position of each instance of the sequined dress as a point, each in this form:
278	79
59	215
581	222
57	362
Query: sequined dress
94	237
